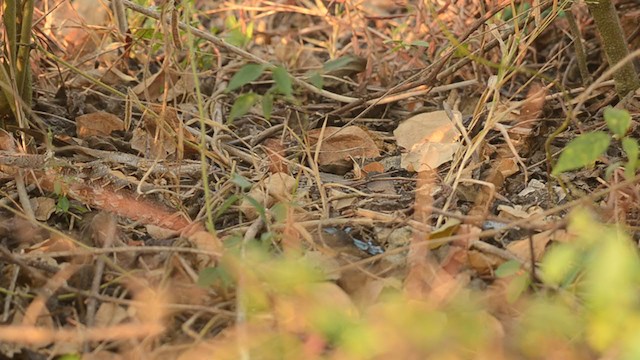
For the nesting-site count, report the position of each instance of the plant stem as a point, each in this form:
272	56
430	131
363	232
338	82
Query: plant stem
614	44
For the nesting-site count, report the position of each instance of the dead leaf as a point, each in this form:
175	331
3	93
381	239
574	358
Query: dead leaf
97	124
159	233
521	248
276	155
431	139
373	167
517	212
532	106
55	243
108	75
43	207
163	134
340	145
153	86
206	241
296	55
341	200
483	263
276	187
110	314
72	22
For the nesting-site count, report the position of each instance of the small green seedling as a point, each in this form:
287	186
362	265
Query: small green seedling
584	150
283	85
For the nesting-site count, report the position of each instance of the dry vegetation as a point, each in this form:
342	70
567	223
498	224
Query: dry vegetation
306	179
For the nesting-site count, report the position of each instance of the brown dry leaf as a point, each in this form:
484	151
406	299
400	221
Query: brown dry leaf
532	106
431	139
163	133
206	241
146	145
373	167
342	200
516	212
483	263
340	145
153	86
55	243
73	22
296	313
276	187
506	166
369	293
43	207
120	175
328	265
183	86
7	142
521	248
276	155
296	55
110	314
97	124
108	75
159	233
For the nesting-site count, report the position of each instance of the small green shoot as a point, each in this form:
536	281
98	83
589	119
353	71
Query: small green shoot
582	151
507	269
587	148
519	282
242	105
283	81
241	182
618	121
267	104
236	36
211	276
245	75
62	205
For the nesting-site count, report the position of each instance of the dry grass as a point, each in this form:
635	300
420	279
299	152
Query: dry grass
172	232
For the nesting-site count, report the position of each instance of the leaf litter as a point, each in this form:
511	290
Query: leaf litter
281	174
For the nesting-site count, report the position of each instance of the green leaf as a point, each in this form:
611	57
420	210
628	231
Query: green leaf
582	151
214	275
559	262
227	204
245	75
242	105
316	80
517	286
632	150
70	357
57	187
337	64
63	204
241	181
267	105
617	120
420	43
279	212
258	206
611	168
345	65
283	81
235	35
508	268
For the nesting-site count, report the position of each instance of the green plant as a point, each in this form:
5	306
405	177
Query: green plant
250	72
585	149
15	72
